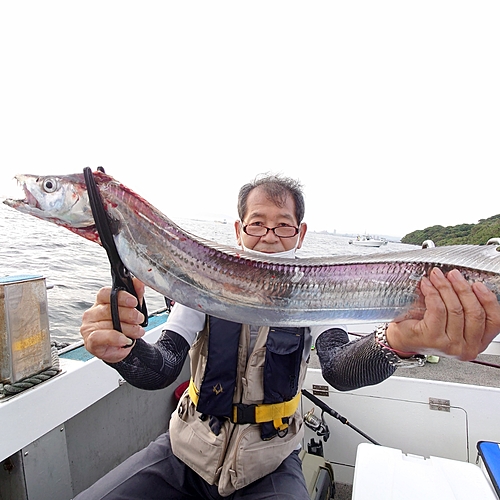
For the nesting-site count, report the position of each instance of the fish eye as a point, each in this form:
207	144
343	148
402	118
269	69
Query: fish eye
50	185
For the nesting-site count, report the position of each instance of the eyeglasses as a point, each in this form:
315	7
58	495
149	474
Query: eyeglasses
259	231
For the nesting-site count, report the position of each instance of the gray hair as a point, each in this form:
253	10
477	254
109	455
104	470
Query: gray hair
277	188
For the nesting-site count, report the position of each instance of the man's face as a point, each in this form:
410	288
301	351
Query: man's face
262	211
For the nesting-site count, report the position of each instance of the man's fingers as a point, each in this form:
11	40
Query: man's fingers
99	317
97	325
460	319
111	345
466	319
435	317
139	289
474	312
134	331
491	308
103	339
125	299
126	308
454	309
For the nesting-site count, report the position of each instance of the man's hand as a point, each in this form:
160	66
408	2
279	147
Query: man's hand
460	319
97	326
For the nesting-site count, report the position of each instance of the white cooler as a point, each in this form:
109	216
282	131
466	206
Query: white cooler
387	474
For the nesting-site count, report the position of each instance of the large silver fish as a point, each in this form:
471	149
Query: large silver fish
230	284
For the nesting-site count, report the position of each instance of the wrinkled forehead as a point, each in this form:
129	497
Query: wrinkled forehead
262	202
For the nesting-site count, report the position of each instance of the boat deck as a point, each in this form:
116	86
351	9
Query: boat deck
445	370
449	370
452	370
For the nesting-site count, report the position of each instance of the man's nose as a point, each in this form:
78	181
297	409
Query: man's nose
270	237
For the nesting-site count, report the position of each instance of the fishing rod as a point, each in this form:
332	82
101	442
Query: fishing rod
484	363
320	427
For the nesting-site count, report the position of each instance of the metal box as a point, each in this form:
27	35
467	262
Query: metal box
24	328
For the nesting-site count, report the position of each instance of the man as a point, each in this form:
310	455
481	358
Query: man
237	428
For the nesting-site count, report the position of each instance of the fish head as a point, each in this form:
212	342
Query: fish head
60	199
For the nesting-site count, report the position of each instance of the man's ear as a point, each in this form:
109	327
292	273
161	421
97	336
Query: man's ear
302	233
238	229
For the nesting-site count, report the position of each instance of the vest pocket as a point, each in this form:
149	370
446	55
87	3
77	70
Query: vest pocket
250	458
253	382
195	444
282	364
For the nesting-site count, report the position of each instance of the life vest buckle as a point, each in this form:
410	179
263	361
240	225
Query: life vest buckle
244	413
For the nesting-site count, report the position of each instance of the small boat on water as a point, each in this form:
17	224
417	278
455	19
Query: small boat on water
368	241
64	433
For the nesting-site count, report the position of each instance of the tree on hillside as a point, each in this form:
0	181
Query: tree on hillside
462	234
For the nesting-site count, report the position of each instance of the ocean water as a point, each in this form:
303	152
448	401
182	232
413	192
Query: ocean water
75	269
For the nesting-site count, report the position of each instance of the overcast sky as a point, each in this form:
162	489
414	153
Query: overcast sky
388	112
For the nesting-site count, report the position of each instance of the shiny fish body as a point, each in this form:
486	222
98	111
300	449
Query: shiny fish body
230	284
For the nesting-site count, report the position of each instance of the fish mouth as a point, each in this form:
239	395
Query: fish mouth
29	199
28	202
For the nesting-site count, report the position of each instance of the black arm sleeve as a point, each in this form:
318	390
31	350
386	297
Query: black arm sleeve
154	366
350	365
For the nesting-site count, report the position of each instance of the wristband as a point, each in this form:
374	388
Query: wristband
393	355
